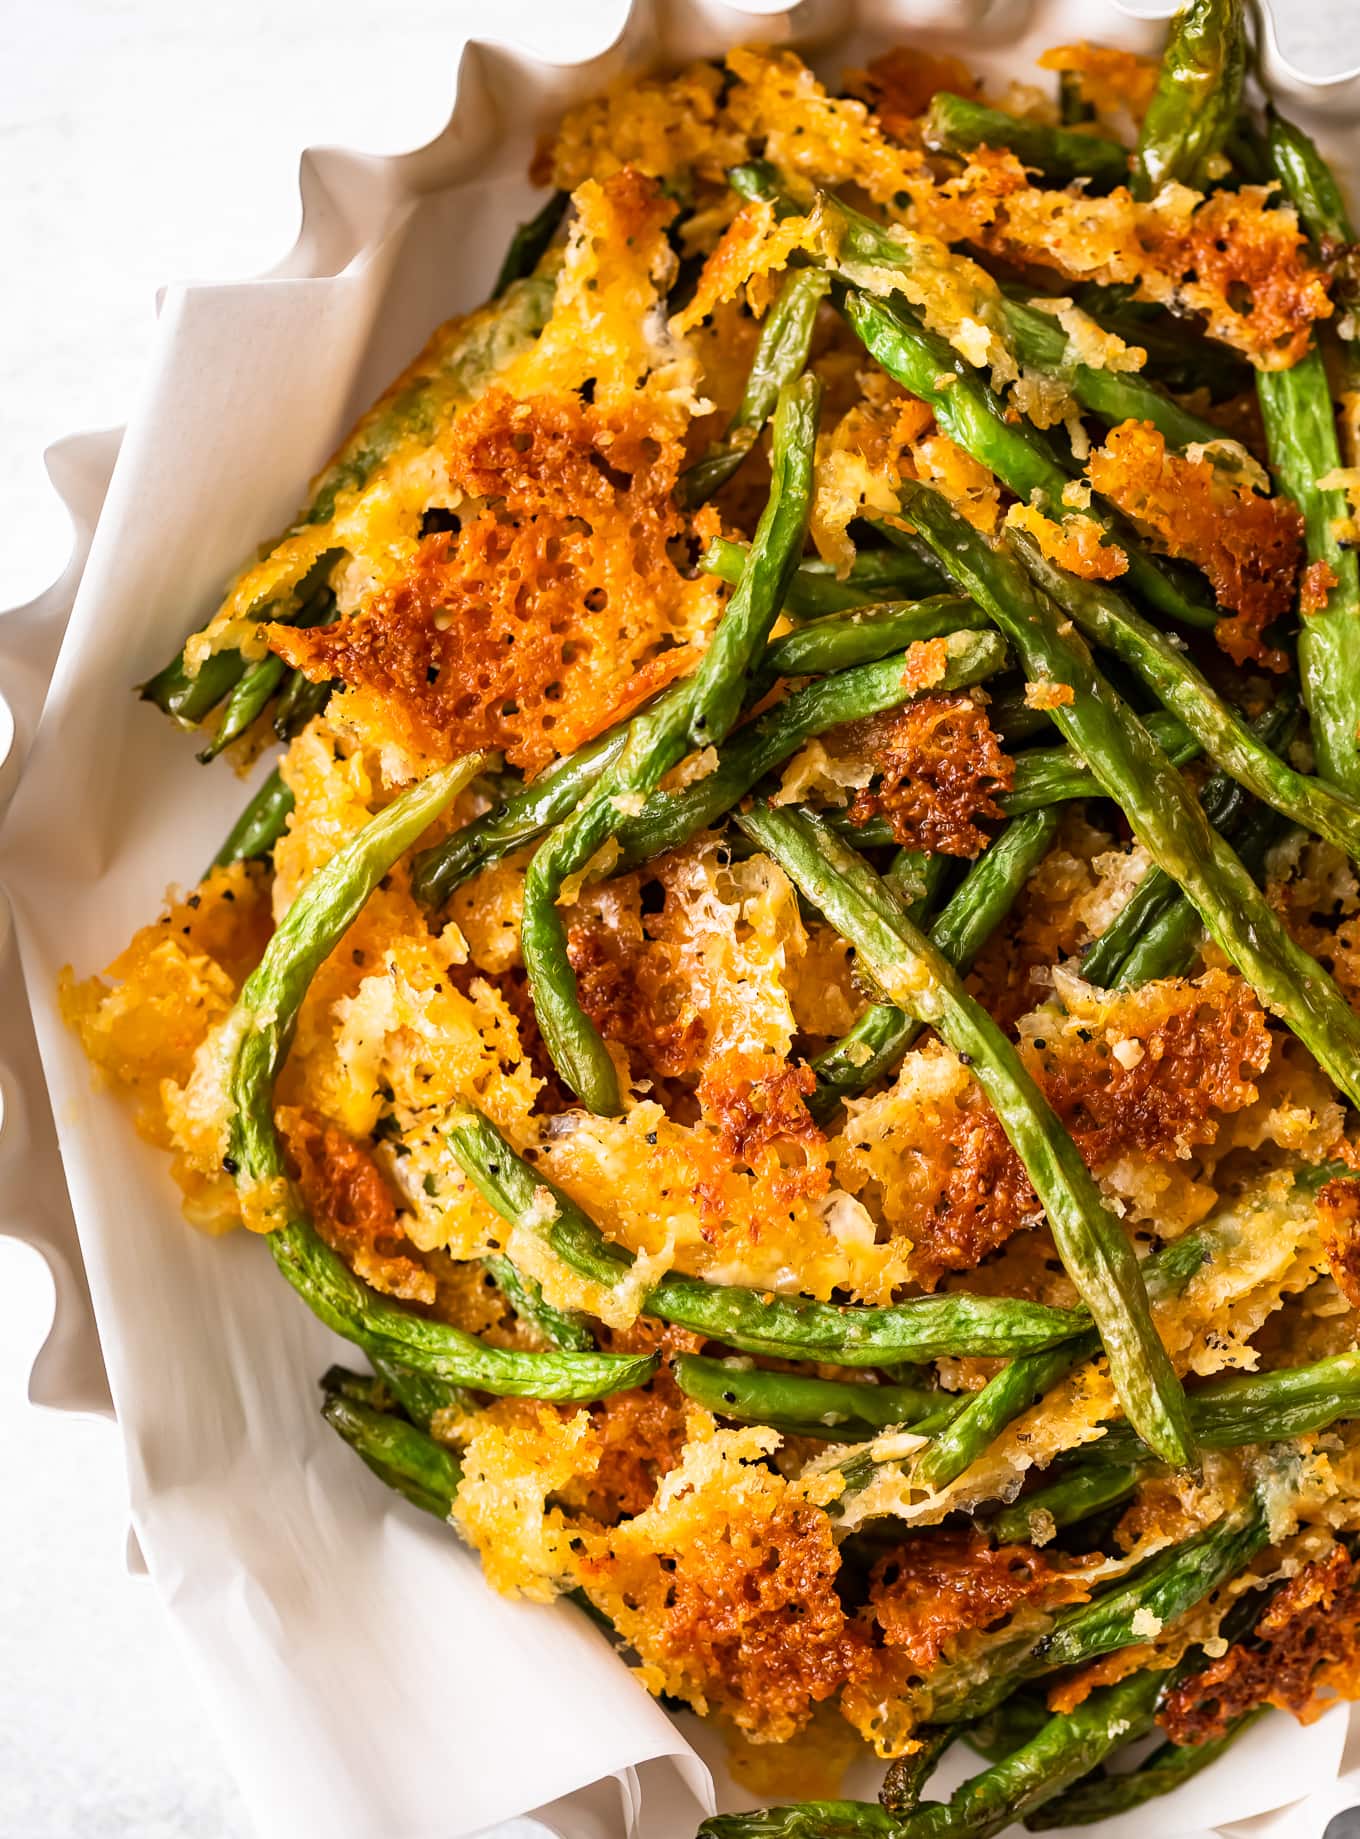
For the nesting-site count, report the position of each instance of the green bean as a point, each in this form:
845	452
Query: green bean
259	826
1173	941
797	1404
522	818
1164	1589
392	1388
405	1458
908	1775
1164	813
657	740
970	414
1309	184
1023	461
1018	1385
956	124
1300	424
1224	802
815	588
781	355
1113	395
531	242
258	1033
1104	1796
525	1297
755	1321
916	879
261	678
385	1332
188	700
359	1388
246	703
1084	1490
1014	1721
1055	775
670	818
918	977
874	1046
1066	1748
254	1042
419	1394
1258	1407
1198	96
862	635
1301	432
298	701
808	1820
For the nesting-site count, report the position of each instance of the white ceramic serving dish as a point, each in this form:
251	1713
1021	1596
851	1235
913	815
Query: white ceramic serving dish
365	1682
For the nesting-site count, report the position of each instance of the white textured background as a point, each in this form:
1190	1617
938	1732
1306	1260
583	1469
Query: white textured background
142	141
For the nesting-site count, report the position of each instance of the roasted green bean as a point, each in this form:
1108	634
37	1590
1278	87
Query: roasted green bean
757	1322
920	979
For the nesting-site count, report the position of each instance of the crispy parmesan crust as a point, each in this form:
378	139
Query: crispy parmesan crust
1237	258
881	439
727	1588
352	1206
1155	1069
1302	1656
933	1155
941	767
939	1584
758	1106
899	84
1150	1073
641	1433
1315	585
1339	1215
554	611
1077	543
1249	546
1113	82
632	993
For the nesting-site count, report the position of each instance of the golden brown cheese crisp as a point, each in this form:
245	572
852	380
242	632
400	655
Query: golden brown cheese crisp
937	1584
1076	543
1339	1215
898	86
1153	1070
941	768
1315	585
352	1207
556	609
1113	82
1302	1656
1148	1073
1248	545
757	1105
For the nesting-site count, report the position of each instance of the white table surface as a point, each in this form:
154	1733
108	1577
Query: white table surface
144	140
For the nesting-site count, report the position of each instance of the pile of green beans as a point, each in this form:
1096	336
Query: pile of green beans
1001	615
